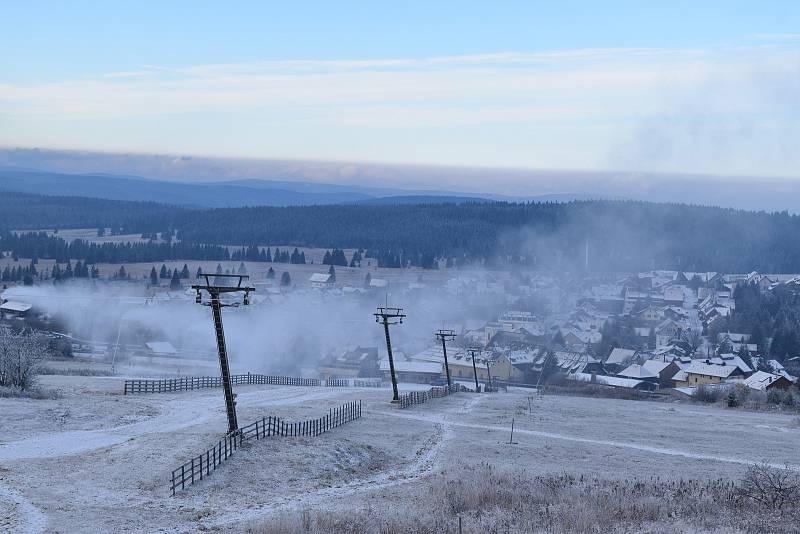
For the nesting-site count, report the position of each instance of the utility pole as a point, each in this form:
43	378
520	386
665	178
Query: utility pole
445	336
216	308
390	316
475	369
489	374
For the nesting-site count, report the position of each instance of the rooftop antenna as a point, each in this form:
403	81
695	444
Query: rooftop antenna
445	336
216	308
389	316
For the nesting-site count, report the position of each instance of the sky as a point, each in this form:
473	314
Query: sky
704	87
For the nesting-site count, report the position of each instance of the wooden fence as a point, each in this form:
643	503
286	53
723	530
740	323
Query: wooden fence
203	465
353	382
168	385
420	397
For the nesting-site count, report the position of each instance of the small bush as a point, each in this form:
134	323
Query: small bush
733	400
82	371
709	393
14	392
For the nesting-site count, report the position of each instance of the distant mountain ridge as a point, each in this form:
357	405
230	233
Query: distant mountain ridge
232	194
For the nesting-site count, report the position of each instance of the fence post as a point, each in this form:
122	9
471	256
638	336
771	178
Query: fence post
192	470
183	476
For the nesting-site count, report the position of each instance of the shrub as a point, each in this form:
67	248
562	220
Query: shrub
20	358
708	393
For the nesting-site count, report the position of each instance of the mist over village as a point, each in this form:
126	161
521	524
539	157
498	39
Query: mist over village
420	268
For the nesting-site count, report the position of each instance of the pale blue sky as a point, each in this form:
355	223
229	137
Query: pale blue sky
688	86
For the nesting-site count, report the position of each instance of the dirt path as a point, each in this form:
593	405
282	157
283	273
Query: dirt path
23	516
610	443
181	413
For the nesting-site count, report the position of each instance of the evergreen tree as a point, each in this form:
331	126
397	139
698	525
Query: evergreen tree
153	276
332	272
271	274
163	273
242	268
175	282
268	256
185	272
122	274
367	280
286	280
199	272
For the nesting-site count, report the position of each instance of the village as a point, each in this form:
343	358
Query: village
661	332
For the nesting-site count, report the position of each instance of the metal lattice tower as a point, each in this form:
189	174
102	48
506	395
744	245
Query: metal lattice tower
445	336
215	291
389	316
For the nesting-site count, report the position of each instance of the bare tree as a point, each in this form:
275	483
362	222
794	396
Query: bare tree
20	357
770	487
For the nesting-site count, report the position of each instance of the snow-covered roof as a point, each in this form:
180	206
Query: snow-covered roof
607	380
731	359
699	367
637	371
680	376
161	347
619	355
413	367
775	364
15	306
320	278
655	366
760	380
378	282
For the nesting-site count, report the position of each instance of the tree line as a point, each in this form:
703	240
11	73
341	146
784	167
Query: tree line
601	235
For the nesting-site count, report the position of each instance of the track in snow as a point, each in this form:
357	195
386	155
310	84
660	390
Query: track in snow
426	461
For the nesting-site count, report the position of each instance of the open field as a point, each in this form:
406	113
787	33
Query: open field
95	460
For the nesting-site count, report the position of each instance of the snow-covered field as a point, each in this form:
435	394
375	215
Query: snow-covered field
97	461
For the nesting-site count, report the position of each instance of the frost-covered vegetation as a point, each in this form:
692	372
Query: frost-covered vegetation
491	499
21	355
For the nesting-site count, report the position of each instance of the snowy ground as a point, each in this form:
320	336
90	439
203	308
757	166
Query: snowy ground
105	466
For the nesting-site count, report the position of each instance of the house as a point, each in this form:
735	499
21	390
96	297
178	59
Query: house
360	362
322	281
15	308
667	331
412	371
665	370
639	372
650	314
619	358
614	381
504	370
701	372
763	381
161	348
378	283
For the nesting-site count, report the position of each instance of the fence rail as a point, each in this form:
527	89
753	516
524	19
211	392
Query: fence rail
420	397
353	383
168	385
204	464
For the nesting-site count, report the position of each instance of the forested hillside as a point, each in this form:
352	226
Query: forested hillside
25	211
608	235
